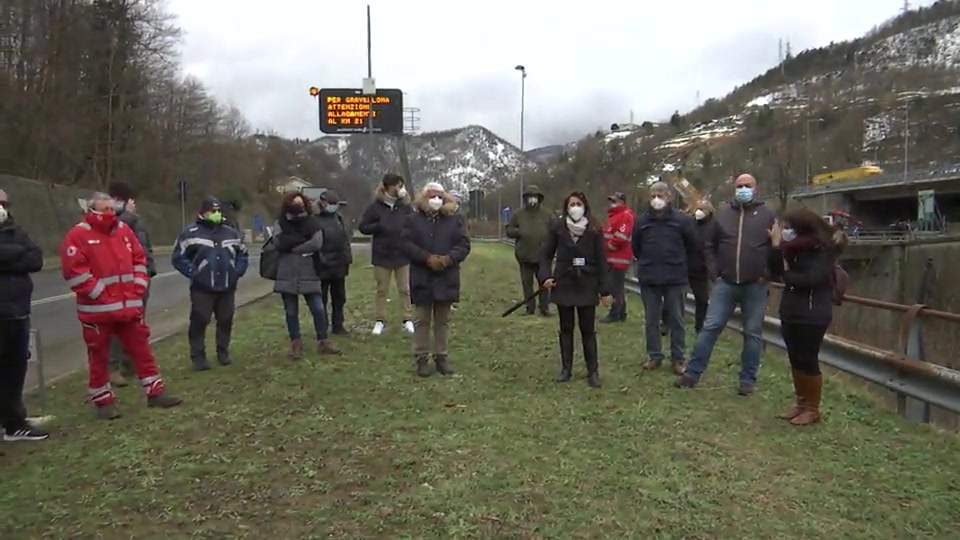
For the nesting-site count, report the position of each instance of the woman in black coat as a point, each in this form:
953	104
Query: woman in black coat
435	239
806	251
578	282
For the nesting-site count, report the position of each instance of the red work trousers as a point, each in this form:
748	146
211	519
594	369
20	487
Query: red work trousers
135	338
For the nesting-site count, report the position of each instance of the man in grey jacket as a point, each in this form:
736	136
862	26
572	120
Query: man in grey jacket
125	207
739	248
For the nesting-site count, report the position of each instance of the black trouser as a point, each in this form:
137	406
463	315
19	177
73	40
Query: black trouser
14	353
803	343
335	291
203	307
701	300
618	282
586	317
119	359
528	276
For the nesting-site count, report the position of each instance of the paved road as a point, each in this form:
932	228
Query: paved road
55	320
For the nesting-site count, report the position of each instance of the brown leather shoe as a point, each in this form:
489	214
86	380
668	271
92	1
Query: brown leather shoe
651	365
684	381
798	404
679	368
812	388
296	349
325	346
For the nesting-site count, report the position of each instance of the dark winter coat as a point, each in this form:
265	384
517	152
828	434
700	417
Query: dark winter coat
528	227
20	256
707	271
384	222
426	233
807	296
666	247
575	286
136	223
212	256
299	242
335	254
739	246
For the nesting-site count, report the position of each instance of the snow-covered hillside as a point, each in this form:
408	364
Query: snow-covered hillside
934	46
463	159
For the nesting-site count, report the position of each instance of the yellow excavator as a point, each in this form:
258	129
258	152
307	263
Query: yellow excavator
688	192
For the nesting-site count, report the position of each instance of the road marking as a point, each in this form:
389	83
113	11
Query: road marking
59	297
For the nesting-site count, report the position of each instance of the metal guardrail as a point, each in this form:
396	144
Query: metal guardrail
879	236
922	176
917	383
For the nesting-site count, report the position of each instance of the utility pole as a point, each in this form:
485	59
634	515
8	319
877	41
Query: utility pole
370	85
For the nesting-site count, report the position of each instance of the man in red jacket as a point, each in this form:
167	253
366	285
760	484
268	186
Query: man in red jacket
617	233
106	267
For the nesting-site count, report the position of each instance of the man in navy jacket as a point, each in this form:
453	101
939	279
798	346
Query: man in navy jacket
211	254
667	248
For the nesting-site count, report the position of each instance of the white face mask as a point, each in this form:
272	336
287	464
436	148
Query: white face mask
788	235
532	201
657	203
699	214
3	214
576	212
401	193
435	203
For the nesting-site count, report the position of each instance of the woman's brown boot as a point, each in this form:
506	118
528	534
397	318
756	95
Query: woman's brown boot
296	349
812	388
798	403
325	346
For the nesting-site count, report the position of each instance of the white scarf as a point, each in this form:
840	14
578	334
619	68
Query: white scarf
576	228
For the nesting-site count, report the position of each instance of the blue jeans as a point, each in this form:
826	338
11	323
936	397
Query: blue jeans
752	299
291	311
665	301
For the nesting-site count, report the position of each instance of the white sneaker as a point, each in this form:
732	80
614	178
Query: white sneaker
378	328
408	326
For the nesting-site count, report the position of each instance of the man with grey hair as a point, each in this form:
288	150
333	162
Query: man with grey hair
739	248
105	266
667	249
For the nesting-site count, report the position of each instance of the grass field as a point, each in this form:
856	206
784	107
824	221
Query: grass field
357	447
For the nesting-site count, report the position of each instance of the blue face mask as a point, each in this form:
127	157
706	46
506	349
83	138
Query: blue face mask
330	208
744	194
788	235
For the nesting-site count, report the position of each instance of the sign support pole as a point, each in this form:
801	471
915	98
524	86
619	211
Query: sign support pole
372	85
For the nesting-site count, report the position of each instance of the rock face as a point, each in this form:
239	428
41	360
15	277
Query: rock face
462	159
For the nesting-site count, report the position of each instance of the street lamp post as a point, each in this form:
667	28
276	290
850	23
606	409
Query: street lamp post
523	99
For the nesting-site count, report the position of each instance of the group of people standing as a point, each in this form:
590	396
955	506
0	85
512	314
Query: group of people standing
725	257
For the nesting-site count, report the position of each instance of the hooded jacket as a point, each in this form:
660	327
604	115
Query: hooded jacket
20	256
529	226
442	232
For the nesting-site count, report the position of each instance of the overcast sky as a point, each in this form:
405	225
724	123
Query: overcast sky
589	63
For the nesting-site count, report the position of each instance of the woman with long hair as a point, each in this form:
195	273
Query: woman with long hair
806	250
299	240
578	282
